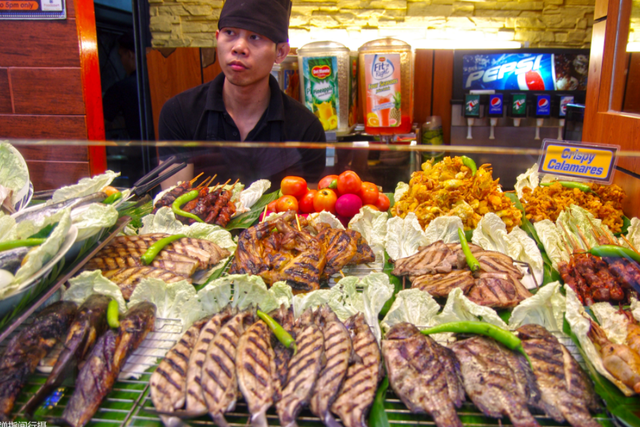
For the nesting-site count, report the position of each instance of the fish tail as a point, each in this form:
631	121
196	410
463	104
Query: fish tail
259	419
330	421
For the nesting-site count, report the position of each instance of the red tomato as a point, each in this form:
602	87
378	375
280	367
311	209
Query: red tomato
286	203
325	200
349	183
383	203
272	206
374	207
369	193
306	202
329	181
293	186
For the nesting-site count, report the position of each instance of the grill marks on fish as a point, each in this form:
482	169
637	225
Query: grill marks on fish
284	317
304	368
128	278
498	290
338	351
219	381
439	285
359	387
256	369
435	258
27	348
498	381
195	398
122	258
567	393
87	326
100	371
425	375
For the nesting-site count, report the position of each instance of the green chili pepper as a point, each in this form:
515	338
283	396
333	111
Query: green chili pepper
472	262
113	314
283	336
468	162
155	249
504	337
614	251
12	244
177	205
568	184
112	198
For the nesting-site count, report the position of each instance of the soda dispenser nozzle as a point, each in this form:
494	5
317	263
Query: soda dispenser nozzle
471	111
562	113
496	110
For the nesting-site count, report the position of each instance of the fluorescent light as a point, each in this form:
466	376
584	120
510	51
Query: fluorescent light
633	47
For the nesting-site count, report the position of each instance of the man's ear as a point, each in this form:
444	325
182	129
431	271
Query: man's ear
282	50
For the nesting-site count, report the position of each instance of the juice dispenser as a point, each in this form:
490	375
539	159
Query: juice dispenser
386	86
289	77
325	83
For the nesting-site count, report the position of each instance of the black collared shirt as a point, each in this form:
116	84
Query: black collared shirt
199	114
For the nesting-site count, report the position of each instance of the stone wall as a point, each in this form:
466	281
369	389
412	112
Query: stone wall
546	23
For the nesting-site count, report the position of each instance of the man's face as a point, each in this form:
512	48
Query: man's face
246	57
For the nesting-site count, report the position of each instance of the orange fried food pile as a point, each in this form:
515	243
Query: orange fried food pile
448	188
548	202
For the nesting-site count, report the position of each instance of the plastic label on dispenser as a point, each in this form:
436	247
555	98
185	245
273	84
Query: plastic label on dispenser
496	106
321	89
382	77
353	91
291	82
564	101
543	105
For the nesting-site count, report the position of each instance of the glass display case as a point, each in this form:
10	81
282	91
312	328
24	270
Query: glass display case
366	235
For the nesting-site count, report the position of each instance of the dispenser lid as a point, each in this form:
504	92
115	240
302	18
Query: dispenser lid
385	43
323	46
290	59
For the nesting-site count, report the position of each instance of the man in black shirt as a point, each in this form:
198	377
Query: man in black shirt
245	103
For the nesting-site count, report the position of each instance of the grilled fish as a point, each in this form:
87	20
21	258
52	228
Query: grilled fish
219	381
424	374
88	325
169	381
195	399
128	278
284	316
435	258
304	368
27	348
359	387
256	369
440	285
113	260
338	351
498	381
567	393
100	371
501	290
12	260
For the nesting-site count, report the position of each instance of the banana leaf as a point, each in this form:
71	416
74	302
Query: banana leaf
377	415
247	219
394	280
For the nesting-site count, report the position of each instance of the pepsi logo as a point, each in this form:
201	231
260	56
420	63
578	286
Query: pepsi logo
495	102
543	102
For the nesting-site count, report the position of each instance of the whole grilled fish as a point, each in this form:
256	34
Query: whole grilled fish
48	210
100	371
359	387
128	278
498	381
12	260
27	348
219	381
195	398
567	393
425	375
256	369
89	324
304	368
338	351
284	316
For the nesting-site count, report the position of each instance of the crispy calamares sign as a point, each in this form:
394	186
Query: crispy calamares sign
593	162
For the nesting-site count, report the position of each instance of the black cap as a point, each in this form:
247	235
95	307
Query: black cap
269	18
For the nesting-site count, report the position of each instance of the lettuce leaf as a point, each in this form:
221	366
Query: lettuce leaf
545	308
8	230
88	283
14	173
401	189
404	236
612	321
326	218
633	233
248	197
373	227
443	228
93	218
576	218
459	308
552	241
251	291
412	306
214	297
529	179
84	187
282	293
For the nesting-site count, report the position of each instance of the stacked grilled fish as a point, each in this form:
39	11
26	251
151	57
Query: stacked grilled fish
279	250
441	267
335	370
433	379
120	260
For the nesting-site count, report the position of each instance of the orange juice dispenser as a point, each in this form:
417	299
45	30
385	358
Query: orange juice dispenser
325	84
386	86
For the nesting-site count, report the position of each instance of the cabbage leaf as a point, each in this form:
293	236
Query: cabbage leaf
404	236
546	308
84	187
88	283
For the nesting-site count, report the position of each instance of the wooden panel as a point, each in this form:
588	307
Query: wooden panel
210	65
623	130
590	128
5	93
39	44
170	72
51	175
621	57
632	91
631	186
600	10
443	89
47	91
423	83
42	127
55	153
71	9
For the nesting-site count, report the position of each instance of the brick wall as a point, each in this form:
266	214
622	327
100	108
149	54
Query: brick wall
547	23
